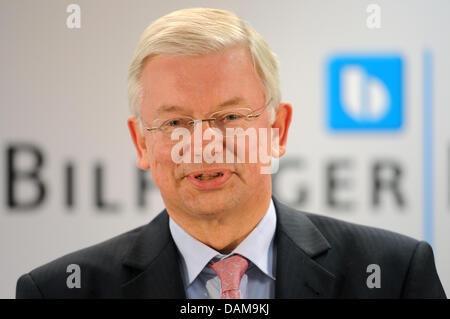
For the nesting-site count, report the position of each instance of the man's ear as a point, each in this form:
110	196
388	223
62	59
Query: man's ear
282	122
139	142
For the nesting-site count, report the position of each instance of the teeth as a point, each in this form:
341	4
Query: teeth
205	177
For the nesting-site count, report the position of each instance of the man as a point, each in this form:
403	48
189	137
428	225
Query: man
222	234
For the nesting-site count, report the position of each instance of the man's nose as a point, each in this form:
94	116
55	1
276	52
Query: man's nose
199	128
205	123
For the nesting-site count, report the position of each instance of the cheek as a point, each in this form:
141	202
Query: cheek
261	150
161	165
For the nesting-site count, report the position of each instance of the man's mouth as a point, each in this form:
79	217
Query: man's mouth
206	177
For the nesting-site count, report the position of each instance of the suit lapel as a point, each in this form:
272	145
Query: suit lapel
153	261
299	244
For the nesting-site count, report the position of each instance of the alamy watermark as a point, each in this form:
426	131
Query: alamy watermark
73	20
373	20
263	147
374	279
74	279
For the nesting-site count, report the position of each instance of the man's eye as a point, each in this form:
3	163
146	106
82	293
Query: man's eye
174	123
232	117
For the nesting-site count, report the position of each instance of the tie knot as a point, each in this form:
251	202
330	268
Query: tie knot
230	271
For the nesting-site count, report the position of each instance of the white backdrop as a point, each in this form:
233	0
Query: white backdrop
63	101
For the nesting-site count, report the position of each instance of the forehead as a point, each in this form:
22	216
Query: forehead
200	83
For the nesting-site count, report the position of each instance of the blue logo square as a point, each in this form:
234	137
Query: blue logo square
365	93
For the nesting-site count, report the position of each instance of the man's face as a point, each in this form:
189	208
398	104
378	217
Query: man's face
198	85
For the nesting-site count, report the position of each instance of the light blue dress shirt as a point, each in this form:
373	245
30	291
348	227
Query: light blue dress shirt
258	247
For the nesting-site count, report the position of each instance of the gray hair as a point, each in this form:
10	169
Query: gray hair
198	31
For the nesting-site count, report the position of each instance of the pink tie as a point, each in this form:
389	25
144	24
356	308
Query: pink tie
230	271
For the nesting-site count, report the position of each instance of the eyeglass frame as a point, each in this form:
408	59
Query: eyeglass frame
194	121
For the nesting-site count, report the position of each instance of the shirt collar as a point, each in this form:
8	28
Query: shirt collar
256	247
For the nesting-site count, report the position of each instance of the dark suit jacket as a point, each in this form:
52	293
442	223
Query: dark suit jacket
317	257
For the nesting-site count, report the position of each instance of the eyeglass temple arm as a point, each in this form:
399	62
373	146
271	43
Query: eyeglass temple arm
262	111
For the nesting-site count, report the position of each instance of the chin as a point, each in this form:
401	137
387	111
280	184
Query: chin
210	203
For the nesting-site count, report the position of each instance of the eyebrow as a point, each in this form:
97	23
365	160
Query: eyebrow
166	108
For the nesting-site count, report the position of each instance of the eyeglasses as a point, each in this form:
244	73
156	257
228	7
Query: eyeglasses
232	118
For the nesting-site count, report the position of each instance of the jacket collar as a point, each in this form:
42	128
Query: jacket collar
299	245
154	263
154	260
